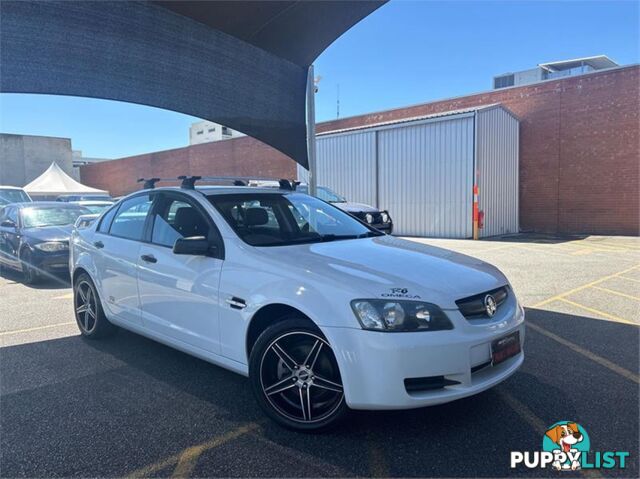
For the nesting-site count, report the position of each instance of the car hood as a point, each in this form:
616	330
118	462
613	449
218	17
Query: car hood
355	207
49	233
388	267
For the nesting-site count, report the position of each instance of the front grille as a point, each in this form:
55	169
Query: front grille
480	367
473	306
416	385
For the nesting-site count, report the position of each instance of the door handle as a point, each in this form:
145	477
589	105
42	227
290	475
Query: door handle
98	244
149	258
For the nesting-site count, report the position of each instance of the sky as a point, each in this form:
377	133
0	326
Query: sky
406	52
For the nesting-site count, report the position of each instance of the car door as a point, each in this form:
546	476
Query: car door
179	293
10	237
118	240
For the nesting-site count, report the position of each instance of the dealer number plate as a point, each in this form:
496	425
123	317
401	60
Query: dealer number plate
505	348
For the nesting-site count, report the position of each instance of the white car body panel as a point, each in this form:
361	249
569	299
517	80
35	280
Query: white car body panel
179	296
183	301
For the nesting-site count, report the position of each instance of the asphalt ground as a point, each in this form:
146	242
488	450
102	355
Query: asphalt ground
127	406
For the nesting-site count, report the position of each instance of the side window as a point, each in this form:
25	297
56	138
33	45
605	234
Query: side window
3	214
12	215
129	221
106	220
177	219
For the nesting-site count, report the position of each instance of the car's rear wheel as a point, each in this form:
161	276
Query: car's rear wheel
295	376
92	322
29	272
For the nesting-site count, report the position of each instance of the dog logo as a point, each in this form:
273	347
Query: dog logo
566	447
570	439
490	305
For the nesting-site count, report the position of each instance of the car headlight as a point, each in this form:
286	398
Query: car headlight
368	218
385	315
52	246
385	217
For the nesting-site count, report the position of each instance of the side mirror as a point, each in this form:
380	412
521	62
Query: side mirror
196	245
8	224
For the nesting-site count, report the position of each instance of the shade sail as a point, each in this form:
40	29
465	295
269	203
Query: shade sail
54	181
241	64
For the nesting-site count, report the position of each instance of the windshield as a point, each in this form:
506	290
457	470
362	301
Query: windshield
323	193
36	217
265	219
13	196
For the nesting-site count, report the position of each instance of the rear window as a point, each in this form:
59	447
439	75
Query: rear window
129	221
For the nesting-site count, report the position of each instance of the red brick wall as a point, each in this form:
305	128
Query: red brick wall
579	149
579	152
242	156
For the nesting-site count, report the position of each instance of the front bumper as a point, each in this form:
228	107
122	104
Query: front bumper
384	227
374	365
57	262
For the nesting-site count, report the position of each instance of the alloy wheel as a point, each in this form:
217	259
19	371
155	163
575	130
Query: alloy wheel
86	306
300	378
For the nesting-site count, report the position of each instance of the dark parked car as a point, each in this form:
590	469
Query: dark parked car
380	220
34	237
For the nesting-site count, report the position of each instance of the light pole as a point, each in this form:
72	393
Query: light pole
311	130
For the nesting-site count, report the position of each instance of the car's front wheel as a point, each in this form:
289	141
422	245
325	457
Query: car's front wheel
29	272
90	316
295	377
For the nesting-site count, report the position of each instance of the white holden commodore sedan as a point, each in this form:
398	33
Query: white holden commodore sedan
322	312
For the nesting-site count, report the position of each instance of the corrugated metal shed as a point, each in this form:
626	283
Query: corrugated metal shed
423	170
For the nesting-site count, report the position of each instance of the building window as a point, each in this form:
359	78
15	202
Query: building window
199	132
226	131
211	130
503	81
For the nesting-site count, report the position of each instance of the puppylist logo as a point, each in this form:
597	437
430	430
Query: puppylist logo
566	447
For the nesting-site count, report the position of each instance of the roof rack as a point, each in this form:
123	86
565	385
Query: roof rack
149	183
189	182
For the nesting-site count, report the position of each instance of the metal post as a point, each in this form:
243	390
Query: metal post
311	130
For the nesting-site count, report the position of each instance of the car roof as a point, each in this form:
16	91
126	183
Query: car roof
91	202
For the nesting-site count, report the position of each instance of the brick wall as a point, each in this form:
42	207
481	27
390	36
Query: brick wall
242	156
579	152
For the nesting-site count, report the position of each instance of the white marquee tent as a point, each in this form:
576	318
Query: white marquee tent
55	182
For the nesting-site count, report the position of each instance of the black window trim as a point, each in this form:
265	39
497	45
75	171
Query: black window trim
163	195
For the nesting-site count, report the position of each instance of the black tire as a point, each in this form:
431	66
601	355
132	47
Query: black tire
29	273
280	354
92	322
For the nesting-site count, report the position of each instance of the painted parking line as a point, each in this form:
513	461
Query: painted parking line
584	286
609	316
616	293
378	466
625	373
537	424
630	279
38	328
64	296
186	460
189	457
